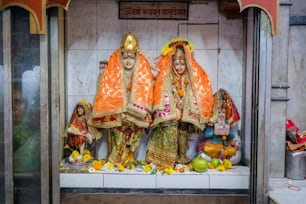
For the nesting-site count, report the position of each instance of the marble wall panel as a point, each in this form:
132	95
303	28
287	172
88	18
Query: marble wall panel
109	28
102	54
230	72
277	140
145	31
107	9
298	7
203	13
80	27
168	30
109	33
208	59
297	76
230	33
203	36
82	72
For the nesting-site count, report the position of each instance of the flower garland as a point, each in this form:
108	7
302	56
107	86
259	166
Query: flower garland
170	46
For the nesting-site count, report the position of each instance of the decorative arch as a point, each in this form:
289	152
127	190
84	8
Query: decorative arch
270	7
37	9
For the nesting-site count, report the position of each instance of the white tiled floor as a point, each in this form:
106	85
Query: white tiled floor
236	178
284	191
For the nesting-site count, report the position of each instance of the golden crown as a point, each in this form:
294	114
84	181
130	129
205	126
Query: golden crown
129	42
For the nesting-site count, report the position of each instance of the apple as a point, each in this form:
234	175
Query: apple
215	162
199	164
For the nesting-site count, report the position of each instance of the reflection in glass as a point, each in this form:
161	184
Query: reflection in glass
25	109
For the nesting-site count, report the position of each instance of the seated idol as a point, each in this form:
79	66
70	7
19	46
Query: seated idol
221	137
79	135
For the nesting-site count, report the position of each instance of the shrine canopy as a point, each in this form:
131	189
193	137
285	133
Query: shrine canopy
37	9
271	8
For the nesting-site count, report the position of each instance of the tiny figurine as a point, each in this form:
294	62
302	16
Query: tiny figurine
221	138
79	134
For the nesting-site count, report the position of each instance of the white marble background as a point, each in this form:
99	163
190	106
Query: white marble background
93	31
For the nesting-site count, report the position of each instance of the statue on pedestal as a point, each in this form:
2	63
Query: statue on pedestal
124	98
183	101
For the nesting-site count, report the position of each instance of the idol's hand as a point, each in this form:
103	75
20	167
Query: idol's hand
89	138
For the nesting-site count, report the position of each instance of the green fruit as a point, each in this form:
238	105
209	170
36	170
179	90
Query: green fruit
215	162
199	164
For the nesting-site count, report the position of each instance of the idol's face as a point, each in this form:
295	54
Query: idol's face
178	60
179	66
80	110
129	60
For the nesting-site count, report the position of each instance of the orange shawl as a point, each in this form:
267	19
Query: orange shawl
200	83
111	96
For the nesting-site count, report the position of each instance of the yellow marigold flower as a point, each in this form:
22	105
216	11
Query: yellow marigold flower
181	169
221	167
227	163
169	170
190	166
86	157
121	168
75	154
147	168
96	164
111	166
61	166
86	151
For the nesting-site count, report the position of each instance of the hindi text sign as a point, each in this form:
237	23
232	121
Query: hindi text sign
153	10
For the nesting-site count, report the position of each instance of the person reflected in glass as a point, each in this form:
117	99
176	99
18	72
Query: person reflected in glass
26	133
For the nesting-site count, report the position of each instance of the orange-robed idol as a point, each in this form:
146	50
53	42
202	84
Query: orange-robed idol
183	99
118	94
124	99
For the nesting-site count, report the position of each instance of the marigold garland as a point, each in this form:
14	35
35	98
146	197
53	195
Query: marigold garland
168	47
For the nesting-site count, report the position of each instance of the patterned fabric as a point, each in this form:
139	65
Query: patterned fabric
126	140
111	98
163	147
199	82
